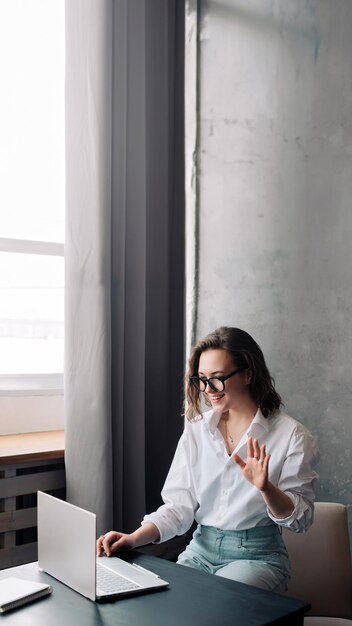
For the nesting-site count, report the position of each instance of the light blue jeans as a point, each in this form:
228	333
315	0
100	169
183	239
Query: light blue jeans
256	556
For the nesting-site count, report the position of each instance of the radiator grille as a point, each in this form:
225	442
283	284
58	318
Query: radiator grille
18	506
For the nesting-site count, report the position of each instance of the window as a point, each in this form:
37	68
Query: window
32	196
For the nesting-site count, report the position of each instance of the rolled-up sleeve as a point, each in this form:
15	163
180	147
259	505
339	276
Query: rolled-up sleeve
176	515
298	479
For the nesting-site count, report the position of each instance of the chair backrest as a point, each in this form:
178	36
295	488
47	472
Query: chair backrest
321	562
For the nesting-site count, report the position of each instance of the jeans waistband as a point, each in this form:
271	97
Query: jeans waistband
256	531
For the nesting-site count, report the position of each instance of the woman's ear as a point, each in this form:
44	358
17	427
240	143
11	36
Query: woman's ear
248	377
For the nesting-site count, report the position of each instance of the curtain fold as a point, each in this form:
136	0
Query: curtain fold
124	253
87	376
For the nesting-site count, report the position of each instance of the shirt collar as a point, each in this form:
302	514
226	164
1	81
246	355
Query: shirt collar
211	420
259	420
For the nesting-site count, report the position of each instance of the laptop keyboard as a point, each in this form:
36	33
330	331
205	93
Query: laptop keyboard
109	582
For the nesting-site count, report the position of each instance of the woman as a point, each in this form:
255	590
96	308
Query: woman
242	470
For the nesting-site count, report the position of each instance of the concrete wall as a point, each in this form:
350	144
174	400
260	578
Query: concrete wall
274	189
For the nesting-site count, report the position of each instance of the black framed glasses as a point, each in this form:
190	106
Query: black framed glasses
216	383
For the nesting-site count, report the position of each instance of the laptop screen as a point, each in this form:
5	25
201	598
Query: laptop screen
66	543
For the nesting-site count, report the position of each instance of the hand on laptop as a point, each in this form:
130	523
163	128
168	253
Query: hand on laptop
114	541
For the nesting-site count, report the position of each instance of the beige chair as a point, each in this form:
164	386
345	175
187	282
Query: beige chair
321	566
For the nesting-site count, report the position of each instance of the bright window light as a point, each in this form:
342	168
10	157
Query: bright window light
32	190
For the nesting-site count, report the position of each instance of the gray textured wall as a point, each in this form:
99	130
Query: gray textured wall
274	200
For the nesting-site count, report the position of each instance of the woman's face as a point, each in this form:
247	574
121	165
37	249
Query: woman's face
236	391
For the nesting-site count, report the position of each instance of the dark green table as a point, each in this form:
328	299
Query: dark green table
193	598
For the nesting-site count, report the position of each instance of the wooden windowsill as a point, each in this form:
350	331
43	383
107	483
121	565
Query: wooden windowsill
31	447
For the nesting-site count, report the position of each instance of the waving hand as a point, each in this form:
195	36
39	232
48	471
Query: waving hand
255	468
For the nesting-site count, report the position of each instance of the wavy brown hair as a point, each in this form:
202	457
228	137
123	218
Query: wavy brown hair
246	354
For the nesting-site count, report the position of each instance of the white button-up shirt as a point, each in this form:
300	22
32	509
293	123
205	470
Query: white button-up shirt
205	484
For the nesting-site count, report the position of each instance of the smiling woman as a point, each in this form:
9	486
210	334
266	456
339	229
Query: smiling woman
232	347
242	470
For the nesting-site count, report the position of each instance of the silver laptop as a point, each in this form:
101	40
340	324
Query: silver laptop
66	550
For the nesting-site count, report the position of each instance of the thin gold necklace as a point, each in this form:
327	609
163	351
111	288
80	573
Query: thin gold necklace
229	437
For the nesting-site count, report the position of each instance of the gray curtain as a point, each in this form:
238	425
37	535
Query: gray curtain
124	253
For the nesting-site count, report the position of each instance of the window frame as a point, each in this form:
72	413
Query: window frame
40	383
